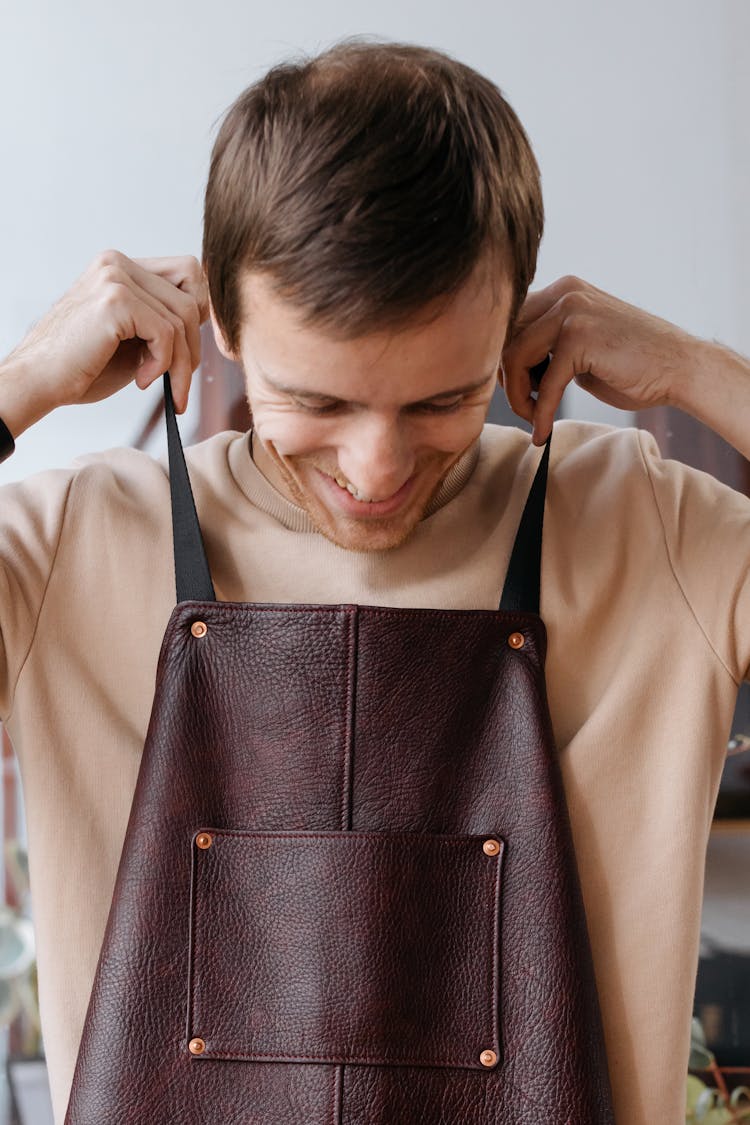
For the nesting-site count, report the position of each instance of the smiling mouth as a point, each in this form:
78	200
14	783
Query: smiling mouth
355	504
354	491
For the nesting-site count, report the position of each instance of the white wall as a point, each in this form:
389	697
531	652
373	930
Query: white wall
637	111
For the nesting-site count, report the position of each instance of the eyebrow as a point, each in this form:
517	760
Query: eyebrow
301	392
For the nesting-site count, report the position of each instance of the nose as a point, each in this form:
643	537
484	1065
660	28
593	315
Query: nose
377	456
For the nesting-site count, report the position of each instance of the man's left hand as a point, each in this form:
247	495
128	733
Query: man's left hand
620	354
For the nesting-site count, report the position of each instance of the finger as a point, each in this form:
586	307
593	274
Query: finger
186	320
181	361
181	393
539	302
182	303
186	300
180	367
561	372
527	351
518	393
186	273
136	319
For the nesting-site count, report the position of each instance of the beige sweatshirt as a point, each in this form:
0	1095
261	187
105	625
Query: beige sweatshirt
647	605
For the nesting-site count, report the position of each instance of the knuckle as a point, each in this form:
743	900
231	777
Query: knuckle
192	316
165	334
193	268
189	311
113	294
574	303
571	283
111	276
567	303
568	327
178	327
107	258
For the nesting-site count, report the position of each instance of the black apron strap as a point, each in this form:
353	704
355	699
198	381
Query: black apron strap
193	578
523	580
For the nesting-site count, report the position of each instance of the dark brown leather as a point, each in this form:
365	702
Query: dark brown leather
294	947
342	720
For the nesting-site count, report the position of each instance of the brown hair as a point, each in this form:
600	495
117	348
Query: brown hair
366	183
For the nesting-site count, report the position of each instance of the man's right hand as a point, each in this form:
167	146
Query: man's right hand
124	319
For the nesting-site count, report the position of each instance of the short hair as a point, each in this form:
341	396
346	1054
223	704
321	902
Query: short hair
366	183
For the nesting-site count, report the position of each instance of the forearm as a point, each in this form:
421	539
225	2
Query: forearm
715	389
21	402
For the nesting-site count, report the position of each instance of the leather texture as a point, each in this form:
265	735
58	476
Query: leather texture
387	963
294	947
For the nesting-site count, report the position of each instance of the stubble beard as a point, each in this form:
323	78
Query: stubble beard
384	534
350	534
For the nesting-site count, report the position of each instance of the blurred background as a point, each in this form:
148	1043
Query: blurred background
638	114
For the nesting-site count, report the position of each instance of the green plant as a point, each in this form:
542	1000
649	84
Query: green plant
18	979
707	1105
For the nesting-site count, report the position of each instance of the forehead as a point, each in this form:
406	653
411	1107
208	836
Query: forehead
449	345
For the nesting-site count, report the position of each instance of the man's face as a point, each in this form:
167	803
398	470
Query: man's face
361	433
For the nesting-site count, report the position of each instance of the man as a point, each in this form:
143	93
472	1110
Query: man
371	227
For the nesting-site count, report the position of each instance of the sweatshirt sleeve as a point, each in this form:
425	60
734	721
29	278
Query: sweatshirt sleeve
32	513
706	528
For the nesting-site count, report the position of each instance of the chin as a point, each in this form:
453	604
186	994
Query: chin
351	534
355	535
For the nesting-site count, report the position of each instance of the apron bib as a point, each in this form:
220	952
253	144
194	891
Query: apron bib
347	893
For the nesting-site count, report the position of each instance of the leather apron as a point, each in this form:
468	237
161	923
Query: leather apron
347	893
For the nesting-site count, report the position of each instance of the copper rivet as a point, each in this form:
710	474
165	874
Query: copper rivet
199	628
487	1058
197	1047
491	847
516	640
203	840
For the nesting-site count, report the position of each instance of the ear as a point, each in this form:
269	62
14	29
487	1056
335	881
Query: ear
221	343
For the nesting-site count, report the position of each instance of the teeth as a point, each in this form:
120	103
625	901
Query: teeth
357	495
343	483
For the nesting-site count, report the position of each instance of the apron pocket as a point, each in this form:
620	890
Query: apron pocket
345	947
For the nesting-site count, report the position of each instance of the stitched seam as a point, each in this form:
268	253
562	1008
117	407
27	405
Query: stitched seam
347	777
495	999
42	601
396	1060
680	587
394	839
338	1096
192	939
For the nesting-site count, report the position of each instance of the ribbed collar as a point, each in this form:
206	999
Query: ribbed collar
264	496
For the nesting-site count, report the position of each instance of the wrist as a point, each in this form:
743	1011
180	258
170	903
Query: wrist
714	387
21	406
688	372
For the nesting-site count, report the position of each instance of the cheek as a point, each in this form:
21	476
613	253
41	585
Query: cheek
291	434
452	433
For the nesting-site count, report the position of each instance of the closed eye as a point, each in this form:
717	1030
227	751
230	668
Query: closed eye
327	408
437	407
415	408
